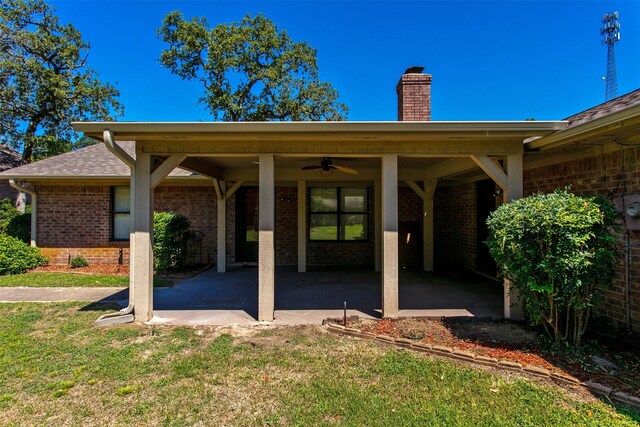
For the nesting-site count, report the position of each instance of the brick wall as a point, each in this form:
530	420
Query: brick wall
410	225
75	220
615	175
199	204
455	228
286	226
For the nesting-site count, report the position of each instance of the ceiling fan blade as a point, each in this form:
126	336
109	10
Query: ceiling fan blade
345	169
309	168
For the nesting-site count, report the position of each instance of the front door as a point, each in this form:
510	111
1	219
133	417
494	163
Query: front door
247	224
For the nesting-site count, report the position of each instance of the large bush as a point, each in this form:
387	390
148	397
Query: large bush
16	257
558	250
171	237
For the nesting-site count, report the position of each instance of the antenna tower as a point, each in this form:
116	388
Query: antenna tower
610	32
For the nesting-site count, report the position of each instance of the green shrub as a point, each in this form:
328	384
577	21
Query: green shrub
558	250
20	226
13	222
7	212
78	261
16	257
171	237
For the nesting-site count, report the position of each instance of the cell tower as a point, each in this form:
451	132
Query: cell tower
610	32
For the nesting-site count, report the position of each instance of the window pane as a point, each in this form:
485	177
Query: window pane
324	200
121	199
121	226
353	227
323	227
353	200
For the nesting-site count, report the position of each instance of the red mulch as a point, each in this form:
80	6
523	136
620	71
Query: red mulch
110	269
514	342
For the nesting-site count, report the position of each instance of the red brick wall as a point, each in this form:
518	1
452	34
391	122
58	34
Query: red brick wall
414	97
199	204
410	224
75	220
455	228
286	226
615	175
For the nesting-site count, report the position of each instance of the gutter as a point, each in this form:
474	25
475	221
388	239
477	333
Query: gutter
29	189
126	314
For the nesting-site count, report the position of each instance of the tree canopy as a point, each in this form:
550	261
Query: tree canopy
45	82
250	70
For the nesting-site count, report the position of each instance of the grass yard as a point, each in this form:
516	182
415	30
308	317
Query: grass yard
65	280
56	369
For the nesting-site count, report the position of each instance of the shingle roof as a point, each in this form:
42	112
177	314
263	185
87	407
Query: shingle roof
9	158
92	161
616	104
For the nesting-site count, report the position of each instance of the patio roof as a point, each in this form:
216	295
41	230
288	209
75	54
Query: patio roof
313	131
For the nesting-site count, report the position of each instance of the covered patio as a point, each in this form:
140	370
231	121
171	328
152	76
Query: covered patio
231	298
416	155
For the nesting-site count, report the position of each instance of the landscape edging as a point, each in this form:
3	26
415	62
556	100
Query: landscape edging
595	388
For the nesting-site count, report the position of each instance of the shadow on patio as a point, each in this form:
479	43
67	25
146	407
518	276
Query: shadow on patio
308	298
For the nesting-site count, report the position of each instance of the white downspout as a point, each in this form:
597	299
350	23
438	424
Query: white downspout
126	314
23	187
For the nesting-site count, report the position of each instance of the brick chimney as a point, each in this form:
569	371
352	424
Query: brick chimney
414	95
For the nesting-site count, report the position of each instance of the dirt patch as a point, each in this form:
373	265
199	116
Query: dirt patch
110	269
519	343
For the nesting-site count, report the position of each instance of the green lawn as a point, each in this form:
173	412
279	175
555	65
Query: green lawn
48	280
330	232
57	369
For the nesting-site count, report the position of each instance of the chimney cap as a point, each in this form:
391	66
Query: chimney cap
416	69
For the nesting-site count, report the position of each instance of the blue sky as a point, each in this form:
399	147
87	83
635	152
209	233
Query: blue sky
503	60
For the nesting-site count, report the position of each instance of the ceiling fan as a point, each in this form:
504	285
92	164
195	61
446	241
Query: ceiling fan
327	166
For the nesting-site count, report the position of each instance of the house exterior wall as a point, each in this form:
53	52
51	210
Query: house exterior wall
615	175
76	220
455	227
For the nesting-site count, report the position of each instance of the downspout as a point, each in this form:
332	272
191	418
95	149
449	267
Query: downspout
126	314
34	206
627	280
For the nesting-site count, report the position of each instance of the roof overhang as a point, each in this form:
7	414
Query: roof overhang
623	123
318	131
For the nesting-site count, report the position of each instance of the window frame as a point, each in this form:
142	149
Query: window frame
339	213
113	213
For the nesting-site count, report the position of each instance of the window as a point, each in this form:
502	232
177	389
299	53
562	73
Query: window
338	214
120	213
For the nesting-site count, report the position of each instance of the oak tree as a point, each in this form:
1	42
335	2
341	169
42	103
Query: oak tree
45	82
250	70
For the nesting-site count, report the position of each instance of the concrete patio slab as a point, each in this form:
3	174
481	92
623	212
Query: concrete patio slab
213	298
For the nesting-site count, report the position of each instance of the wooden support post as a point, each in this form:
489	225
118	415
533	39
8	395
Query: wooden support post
512	302
302	226
390	235
143	228
266	247
377	217
221	220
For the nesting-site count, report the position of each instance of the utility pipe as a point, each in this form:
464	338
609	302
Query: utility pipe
34	206
126	314
627	279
